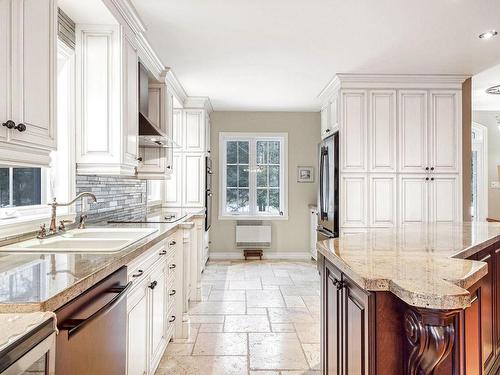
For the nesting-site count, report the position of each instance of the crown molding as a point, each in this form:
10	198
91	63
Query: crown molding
175	86
199	102
392	81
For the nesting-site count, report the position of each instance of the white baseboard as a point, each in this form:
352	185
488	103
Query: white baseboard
237	255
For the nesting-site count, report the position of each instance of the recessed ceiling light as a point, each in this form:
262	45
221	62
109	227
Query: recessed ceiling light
488	34
494	90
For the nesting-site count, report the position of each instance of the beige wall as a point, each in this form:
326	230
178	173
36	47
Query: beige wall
303	130
487	118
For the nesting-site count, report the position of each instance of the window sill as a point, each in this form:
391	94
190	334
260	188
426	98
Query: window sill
256	218
27	223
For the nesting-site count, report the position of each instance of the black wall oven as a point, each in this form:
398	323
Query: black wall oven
208	193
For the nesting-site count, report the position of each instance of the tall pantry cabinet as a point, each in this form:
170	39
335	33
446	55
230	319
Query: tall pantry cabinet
400	148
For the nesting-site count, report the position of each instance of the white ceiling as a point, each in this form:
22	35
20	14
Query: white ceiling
279	54
88	11
482	81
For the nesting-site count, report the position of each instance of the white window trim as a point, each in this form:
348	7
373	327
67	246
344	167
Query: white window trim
251	137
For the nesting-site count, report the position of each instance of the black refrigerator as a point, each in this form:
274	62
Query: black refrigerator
328	196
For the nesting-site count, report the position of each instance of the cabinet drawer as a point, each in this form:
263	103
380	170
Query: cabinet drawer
139	268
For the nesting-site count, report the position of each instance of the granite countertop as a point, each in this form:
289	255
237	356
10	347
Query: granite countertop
46	281
423	265
15	325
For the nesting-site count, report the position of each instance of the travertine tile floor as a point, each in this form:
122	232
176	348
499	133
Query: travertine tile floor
255	318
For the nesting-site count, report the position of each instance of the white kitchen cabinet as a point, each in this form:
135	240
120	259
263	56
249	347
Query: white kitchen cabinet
382	131
445	198
353	200
413	198
413	130
207	133
445	133
137	330
173	186
159	303
28	55
333	114
313	235
324	121
383	200
155	163
193	167
353	131
107	101
177	129
194	130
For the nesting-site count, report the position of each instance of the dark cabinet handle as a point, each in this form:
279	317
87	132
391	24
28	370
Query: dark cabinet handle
339	284
162	252
327	130
172	266
172	243
432	168
426	168
153	285
172	319
432	178
139	273
427	179
9	124
139	158
172	293
169	167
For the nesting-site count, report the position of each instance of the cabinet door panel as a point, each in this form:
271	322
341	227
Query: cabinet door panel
355	330
131	126
412	131
324	122
4	66
354	190
158	311
173	186
445	137
34	72
194	126
472	328
138	325
413	199
333	121
445	199
354	131
332	324
177	133
383	201
193	180
383	131
487	314
497	291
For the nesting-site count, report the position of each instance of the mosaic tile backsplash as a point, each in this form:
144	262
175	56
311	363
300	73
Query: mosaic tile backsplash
118	198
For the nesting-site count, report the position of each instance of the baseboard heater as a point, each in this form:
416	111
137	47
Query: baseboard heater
253	237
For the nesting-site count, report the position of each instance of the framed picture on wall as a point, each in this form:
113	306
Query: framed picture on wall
305	174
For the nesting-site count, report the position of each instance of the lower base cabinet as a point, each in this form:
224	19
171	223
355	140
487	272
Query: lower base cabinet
149	308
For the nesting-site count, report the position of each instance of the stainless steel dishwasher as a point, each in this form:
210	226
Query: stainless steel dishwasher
92	329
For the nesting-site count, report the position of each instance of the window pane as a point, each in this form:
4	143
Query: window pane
244	200
4	187
274	152
232	176
232	200
261	152
262	202
274	176
243	176
262	176
243	152
232	153
27	186
274	201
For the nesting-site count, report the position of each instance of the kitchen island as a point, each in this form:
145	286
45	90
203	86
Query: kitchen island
421	299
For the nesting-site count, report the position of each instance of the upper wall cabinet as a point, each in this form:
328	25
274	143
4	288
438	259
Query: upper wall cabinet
28	74
107	101
445	131
156	163
329	117
382	130
194	130
413	120
353	131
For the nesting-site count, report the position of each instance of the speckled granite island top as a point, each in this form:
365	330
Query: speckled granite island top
423	265
46	281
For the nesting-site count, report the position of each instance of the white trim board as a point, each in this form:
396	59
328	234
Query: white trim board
238	255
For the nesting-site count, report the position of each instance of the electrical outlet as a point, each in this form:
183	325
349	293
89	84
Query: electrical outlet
495	184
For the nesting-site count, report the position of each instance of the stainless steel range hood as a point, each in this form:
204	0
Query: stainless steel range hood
150	135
